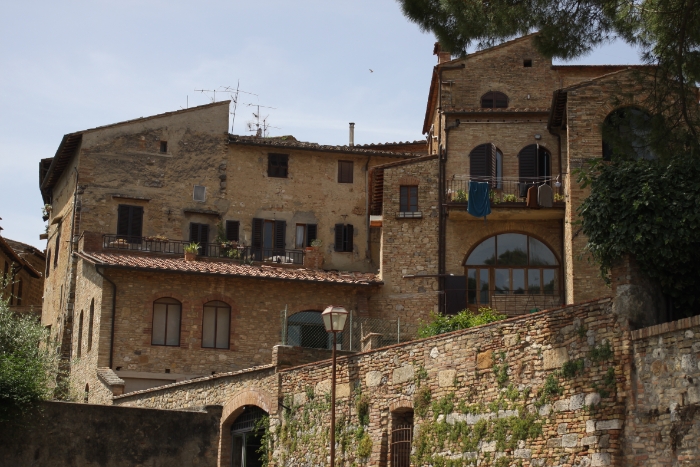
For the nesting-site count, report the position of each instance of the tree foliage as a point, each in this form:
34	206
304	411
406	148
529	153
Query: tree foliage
27	369
440	324
650	210
666	32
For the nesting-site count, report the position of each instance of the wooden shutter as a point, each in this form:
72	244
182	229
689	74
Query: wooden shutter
347	246
491	159
482	162
311	233
280	233
136	221
194	232
528	163
339	230
257	233
123	220
232	229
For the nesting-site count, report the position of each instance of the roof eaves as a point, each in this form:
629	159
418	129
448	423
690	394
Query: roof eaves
406	162
360	151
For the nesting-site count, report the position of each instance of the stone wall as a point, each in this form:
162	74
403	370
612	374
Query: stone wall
663	406
80	435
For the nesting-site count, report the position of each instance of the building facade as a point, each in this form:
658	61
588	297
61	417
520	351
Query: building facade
22	276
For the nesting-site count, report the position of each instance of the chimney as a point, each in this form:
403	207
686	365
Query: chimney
443	56
352	134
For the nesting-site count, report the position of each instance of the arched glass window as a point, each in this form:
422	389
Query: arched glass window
494	100
216	325
626	133
511	264
166	322
305	329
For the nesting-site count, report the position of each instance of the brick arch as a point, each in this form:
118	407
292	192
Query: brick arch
409	180
232	409
403	403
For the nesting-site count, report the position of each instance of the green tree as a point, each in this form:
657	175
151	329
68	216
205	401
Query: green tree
27	363
666	32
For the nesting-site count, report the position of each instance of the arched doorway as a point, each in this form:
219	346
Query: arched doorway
246	436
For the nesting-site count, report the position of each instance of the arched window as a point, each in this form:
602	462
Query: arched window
494	100
511	264
535	166
216	325
305	329
626	133
166	322
80	334
90	324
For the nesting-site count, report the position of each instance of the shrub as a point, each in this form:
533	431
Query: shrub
440	324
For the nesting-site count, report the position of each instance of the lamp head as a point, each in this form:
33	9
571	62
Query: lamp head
334	318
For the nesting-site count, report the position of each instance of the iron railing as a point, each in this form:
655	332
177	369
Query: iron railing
211	250
502	190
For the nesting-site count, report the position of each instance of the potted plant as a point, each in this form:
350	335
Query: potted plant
191	251
46	212
316	243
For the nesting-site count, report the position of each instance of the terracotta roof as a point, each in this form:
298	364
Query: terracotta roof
11	252
20	247
411	161
292	143
178	264
509	110
400	143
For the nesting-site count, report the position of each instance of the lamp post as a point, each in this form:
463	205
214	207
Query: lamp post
334	321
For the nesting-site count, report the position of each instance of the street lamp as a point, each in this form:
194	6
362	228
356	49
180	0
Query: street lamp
334	321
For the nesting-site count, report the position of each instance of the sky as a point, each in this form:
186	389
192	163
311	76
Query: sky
72	65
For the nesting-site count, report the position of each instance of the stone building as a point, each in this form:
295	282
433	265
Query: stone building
22	276
382	229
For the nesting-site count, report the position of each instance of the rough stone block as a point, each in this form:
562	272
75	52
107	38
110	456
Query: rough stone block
342	390
592	399
589	441
545	410
434	352
446	378
403	374
484	360
561	429
555	358
577	401
373	378
693	395
562	405
599	459
489	446
300	398
590	426
554	443
614	424
570	440
522	453
323	387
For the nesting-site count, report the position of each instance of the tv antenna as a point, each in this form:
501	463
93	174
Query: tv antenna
234	94
255	125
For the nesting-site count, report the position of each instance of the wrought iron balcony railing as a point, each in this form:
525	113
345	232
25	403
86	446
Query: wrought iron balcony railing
502	190
210	250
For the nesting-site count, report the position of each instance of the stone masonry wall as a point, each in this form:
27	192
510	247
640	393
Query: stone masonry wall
543	389
663	408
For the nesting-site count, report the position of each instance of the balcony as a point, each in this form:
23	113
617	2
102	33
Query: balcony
207	250
508	198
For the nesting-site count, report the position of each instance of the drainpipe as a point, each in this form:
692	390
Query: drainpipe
114	312
442	227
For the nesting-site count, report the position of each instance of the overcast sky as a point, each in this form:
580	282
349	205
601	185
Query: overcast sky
70	65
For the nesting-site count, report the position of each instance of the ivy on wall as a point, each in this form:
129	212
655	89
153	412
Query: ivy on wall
649	209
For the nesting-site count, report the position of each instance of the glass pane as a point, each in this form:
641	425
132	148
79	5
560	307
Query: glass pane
173	336
502	281
533	281
519	281
414	199
237	452
471	286
485	253
267	235
294	335
499	170
484	286
222	329
299	243
208	324
512	250
540	255
551	284
158	337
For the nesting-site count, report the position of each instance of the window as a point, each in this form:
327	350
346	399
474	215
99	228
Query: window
129	222
163	146
409	199
305	329
90	324
57	246
19	292
268	237
494	100
166	322
199	193
305	234
48	263
534	163
344	171
232	228
199	233
483	162
510	264
343	237
80	334
216	320
277	165
527	63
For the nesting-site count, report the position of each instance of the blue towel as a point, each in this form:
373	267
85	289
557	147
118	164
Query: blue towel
479	204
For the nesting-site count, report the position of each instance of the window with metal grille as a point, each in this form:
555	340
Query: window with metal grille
345	171
216	325
200	193
277	165
408	201
343	237
494	100
130	223
166	322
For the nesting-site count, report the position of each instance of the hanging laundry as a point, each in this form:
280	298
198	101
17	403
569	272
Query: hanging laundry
545	196
479	203
531	200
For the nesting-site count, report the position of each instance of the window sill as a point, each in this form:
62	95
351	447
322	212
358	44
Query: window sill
409	215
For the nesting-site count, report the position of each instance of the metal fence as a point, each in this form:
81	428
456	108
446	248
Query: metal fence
305	329
211	250
503	190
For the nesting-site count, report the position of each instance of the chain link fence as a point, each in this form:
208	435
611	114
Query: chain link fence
305	329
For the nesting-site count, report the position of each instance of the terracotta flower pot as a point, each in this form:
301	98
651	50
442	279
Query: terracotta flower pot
190	256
